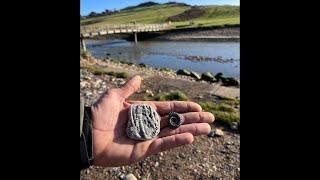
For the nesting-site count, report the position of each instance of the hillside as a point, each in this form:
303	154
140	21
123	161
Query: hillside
160	13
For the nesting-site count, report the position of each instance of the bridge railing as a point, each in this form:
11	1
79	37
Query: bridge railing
113	27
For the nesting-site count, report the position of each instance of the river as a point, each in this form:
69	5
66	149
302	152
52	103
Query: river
216	56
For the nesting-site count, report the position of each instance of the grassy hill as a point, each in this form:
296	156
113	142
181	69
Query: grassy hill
212	16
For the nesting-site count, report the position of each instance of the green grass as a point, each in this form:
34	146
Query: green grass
213	16
229	101
170	96
223	113
142	15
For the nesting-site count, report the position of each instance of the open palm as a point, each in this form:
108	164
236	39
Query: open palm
111	145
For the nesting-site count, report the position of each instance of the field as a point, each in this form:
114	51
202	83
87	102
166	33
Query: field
212	16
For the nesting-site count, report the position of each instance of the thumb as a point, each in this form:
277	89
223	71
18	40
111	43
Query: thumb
131	86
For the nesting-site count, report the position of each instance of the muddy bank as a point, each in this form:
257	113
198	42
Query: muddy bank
216	34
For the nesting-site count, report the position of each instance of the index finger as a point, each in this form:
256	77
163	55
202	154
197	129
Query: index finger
164	107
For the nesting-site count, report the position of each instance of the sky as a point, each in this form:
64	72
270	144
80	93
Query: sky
87	6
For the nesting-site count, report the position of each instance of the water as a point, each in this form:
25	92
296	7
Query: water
172	54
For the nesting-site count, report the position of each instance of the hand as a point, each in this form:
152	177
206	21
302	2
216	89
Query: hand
112	147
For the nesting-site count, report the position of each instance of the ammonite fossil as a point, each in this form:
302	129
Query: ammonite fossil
175	120
144	122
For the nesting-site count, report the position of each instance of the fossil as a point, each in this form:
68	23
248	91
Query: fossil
144	122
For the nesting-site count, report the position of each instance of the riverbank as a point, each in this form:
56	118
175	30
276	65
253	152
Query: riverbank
171	79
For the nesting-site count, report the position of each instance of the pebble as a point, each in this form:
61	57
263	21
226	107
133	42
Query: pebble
83	84
130	177
230	143
211	134
88	93
156	164
214	168
149	92
181	155
219	132
233	126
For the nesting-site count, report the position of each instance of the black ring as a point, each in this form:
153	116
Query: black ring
175	119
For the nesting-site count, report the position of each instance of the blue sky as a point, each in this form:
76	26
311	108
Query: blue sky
88	6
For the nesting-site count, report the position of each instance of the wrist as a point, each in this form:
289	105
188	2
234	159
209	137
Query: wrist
86	153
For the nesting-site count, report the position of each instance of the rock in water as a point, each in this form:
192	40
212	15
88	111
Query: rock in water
144	122
219	76
207	76
195	75
183	72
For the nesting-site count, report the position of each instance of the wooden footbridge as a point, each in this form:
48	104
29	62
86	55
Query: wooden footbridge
91	31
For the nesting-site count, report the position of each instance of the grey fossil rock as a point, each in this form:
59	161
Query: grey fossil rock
144	122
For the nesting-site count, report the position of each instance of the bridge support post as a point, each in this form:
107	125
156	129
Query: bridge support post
82	44
135	37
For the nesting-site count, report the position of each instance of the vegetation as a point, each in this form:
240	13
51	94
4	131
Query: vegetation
149	13
169	96
223	113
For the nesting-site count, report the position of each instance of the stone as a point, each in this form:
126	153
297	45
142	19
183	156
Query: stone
218	76
143	65
83	84
229	81
144	122
156	164
88	93
130	177
219	132
207	76
195	75
183	72
214	168
149	92
233	126
211	134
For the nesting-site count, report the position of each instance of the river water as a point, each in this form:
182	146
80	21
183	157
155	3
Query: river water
214	56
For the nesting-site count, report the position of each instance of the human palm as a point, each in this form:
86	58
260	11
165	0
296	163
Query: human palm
111	145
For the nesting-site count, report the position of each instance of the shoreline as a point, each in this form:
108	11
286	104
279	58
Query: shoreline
168	75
